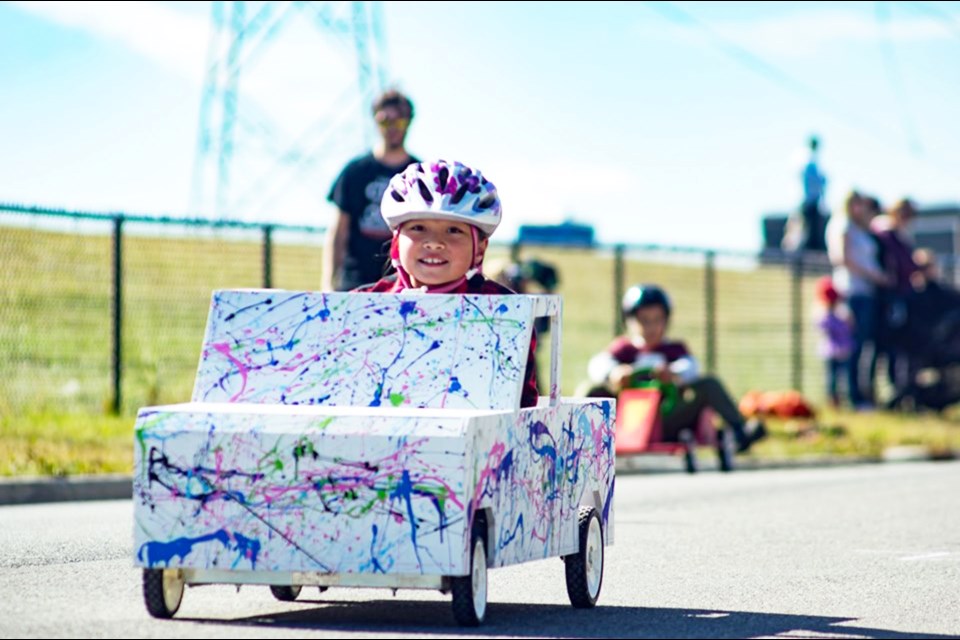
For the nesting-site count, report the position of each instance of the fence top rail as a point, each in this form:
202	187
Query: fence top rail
160	219
773	257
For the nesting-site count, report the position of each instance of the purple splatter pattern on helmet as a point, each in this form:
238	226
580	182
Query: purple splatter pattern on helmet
441	190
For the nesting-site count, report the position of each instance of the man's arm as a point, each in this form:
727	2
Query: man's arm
334	248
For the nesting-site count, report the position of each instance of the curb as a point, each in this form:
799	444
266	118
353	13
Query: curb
64	489
666	463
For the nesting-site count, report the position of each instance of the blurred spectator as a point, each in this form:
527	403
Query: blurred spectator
354	251
814	184
856	275
931	297
929	341
928	271
836	336
896	257
528	276
896	246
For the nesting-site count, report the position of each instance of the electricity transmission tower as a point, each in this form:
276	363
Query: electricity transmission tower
285	103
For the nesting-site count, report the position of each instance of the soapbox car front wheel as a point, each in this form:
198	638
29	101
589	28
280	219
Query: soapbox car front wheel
162	591
584	569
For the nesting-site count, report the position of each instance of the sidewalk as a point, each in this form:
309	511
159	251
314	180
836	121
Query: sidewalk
119	487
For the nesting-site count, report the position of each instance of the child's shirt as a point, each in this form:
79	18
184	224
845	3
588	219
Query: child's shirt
623	350
478	284
836	336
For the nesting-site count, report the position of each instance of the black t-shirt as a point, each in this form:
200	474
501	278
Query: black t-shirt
357	192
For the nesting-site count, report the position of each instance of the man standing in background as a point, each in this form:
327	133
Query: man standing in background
814	183
354	252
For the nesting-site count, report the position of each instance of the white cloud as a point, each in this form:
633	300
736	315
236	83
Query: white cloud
304	64
296	90
172	39
805	34
808	33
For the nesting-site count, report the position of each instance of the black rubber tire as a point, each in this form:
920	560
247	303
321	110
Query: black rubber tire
461	587
285	593
578	565
725	446
160	604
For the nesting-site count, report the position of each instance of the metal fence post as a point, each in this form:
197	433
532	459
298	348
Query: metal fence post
117	337
268	256
710	309
617	289
796	322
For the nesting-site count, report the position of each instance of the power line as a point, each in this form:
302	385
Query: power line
758	65
944	18
241	138
896	79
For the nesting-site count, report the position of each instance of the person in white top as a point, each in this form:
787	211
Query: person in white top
856	275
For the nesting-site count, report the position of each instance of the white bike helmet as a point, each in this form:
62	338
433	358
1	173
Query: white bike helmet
441	190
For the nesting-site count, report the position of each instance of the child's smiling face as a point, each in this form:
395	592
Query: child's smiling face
435	252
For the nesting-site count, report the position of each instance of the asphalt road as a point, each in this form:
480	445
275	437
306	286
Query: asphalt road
866	551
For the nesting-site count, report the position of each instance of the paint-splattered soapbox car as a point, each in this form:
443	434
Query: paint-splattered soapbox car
370	440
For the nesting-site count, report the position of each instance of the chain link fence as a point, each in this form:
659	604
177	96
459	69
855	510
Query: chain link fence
748	320
106	312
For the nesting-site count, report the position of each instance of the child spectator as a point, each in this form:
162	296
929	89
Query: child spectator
836	336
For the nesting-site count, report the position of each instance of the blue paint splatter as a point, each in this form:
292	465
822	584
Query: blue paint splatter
509	536
248	548
609	501
157	552
404	491
377	567
548	450
378	392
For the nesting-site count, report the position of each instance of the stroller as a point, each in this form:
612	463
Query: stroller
929	340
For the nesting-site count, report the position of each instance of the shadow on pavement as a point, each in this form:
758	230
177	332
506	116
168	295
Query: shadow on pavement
540	621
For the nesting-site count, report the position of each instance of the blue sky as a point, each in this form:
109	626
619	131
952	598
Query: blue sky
669	123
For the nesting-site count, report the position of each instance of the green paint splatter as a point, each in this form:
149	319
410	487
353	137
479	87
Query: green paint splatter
322	423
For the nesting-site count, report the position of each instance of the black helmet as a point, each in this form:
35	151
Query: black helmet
644	295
